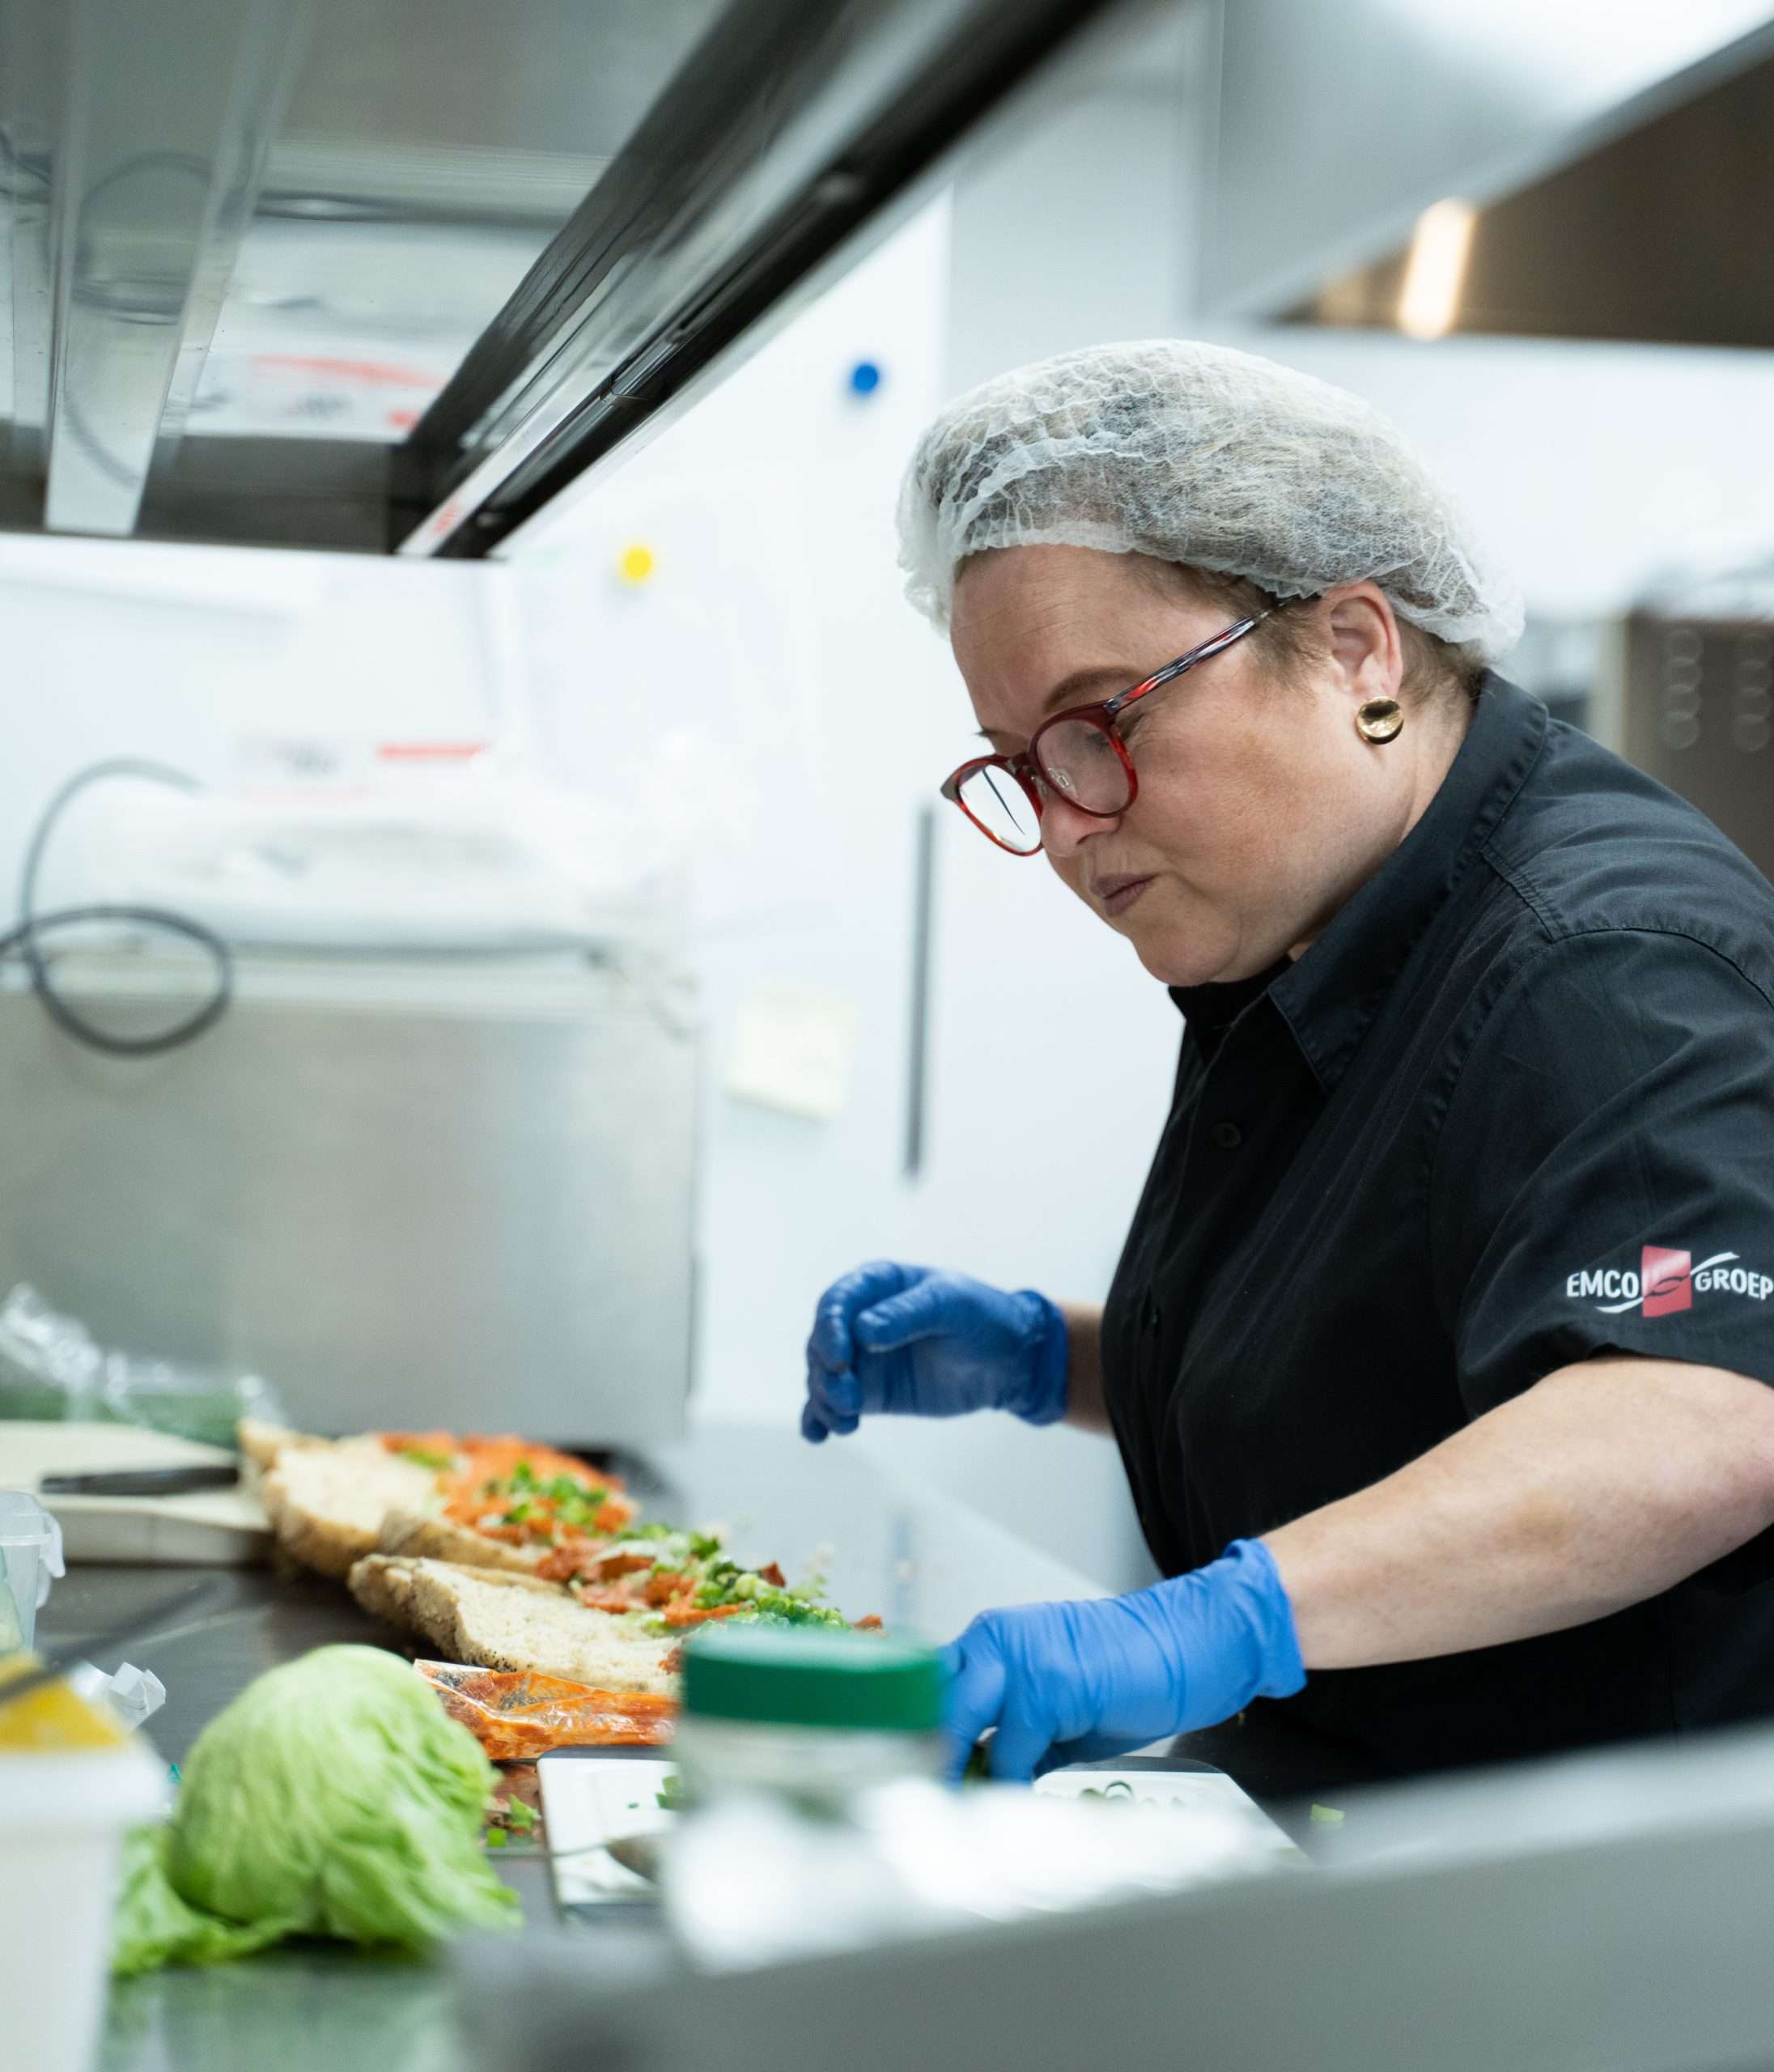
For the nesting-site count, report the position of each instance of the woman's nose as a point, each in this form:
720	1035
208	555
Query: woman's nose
1065	827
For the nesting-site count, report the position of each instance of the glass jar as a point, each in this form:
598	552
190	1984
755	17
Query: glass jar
810	1718
789	1745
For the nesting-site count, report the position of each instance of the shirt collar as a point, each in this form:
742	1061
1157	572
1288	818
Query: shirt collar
1329	997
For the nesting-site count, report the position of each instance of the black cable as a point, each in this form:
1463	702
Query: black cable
24	941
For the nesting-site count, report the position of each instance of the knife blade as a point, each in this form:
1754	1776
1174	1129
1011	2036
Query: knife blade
179	1481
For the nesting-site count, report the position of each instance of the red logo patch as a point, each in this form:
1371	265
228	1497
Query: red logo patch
1667	1279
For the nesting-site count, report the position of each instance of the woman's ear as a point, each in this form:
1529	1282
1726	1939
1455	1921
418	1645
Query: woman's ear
1365	643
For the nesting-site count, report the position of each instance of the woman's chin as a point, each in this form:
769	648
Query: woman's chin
1198	960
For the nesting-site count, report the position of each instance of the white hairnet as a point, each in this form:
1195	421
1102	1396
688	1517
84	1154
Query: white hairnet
1201	455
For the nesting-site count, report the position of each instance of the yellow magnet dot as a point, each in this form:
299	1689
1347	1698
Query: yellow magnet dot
636	564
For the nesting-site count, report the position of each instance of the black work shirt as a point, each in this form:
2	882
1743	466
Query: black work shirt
1514	1107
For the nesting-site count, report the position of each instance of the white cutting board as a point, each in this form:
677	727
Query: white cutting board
217	1527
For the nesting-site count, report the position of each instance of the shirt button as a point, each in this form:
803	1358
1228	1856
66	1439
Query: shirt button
1225	1136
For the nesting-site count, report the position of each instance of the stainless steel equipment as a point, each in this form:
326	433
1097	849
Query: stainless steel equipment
444	1192
1480	101
388	273
1696	698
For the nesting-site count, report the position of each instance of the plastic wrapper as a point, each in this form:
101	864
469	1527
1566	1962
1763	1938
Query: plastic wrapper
53	1369
135	1695
518	1714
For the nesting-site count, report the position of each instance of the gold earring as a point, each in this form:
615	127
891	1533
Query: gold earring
1380	720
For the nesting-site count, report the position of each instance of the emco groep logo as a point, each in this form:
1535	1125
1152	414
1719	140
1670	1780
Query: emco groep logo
1667	1280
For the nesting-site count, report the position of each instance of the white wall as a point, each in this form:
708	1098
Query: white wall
776	597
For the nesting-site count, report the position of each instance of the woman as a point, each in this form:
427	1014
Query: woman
1438	1353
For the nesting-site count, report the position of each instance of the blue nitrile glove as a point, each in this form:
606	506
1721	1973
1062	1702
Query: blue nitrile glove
1076	1682
911	1341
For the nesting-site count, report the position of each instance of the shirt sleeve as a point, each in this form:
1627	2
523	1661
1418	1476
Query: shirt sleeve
1604	1176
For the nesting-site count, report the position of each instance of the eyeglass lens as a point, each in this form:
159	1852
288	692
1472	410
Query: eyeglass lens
1079	762
1003	809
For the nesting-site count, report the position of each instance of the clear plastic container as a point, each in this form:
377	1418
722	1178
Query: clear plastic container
30	1556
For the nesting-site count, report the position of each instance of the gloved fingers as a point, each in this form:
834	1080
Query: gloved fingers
919	1312
837	1395
835	1400
1025	1735
825	1422
830	1346
976	1692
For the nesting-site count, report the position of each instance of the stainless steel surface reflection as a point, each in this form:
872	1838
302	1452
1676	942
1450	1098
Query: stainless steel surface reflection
430	150
286	218
424	1191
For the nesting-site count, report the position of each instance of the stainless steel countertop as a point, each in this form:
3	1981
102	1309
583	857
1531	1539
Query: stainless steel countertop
920	1560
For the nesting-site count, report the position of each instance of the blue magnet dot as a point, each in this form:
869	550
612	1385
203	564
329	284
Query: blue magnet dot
865	378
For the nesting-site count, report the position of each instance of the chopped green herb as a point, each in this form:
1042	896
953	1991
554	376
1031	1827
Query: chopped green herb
427	1457
520	1814
495	1838
569	1489
670	1794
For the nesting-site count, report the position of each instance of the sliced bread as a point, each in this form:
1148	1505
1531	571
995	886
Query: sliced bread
500	1620
443	1539
261	1443
327	1501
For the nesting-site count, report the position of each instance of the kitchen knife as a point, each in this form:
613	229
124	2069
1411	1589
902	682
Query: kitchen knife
179	1481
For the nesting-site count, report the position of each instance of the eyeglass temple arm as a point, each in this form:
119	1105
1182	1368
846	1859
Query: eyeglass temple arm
1184	663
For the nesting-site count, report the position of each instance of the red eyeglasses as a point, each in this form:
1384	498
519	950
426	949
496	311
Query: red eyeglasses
1078	753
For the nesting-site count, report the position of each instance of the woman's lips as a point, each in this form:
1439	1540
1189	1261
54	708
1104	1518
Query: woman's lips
1118	894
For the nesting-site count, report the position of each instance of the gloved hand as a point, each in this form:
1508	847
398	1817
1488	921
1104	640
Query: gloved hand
912	1342
1077	1682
